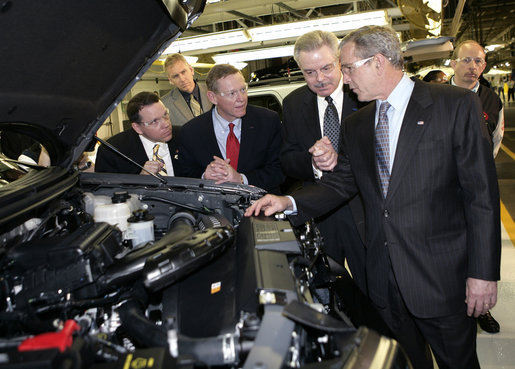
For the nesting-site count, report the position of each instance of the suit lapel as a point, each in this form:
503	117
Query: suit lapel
206	104
416	119
309	110
366	143
248	134
181	104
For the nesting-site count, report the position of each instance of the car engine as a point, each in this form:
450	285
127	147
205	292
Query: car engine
206	287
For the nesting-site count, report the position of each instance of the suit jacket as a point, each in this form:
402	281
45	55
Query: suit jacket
129	143
342	229
439	223
259	147
180	112
301	128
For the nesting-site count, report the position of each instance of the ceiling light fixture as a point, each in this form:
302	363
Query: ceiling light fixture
257	54
280	32
211	40
337	24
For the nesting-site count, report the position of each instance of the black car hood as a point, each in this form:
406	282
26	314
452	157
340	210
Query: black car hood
66	64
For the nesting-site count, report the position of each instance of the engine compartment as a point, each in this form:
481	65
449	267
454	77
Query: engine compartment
210	289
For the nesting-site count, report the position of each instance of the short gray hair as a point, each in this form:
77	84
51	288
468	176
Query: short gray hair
371	40
314	40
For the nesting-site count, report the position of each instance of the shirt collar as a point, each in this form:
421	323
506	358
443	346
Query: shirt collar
475	88
400	95
223	123
337	94
149	145
195	93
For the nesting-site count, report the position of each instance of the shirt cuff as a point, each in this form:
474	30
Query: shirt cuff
294	205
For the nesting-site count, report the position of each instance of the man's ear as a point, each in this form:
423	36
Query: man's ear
453	64
136	127
379	61
212	97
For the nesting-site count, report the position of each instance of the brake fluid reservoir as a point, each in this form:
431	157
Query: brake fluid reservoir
115	213
140	227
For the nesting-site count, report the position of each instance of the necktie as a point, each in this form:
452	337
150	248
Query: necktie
156	157
232	147
383	147
332	123
195	106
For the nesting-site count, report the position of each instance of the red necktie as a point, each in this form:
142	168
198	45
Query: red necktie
232	147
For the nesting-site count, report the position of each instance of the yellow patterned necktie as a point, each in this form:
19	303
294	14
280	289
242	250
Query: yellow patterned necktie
156	157
196	109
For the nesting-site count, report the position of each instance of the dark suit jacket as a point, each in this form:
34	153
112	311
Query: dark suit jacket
342	229
259	147
439	223
301	128
129	143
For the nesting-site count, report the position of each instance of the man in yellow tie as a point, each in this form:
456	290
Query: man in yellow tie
149	141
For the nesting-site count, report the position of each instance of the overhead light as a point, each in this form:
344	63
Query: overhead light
217	39
258	54
332	24
493	47
238	65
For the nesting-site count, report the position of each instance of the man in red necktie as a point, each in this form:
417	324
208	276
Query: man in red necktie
234	141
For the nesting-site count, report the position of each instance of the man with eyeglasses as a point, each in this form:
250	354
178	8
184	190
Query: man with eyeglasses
421	157
468	62
149	141
188	98
233	142
314	114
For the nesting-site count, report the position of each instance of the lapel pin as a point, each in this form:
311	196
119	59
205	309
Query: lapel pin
420	123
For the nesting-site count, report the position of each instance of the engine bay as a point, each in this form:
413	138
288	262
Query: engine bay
208	287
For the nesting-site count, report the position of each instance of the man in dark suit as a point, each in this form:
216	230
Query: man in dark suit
148	142
306	118
469	62
187	99
207	143
421	158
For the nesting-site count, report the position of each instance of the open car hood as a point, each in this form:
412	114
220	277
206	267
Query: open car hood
66	64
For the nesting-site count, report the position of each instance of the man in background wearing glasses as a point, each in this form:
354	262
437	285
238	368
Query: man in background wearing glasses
148	142
468	62
233	142
308	119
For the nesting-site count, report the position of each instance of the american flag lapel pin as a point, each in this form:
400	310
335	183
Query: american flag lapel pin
420	123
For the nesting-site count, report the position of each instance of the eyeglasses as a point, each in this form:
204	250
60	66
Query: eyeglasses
155	122
325	70
351	68
468	60
234	93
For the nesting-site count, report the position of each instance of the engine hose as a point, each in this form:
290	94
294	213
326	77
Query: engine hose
130	267
213	351
144	332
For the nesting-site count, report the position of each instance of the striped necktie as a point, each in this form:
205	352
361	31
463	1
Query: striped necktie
383	147
157	157
196	109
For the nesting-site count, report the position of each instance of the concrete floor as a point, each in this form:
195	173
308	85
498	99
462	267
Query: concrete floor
497	351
